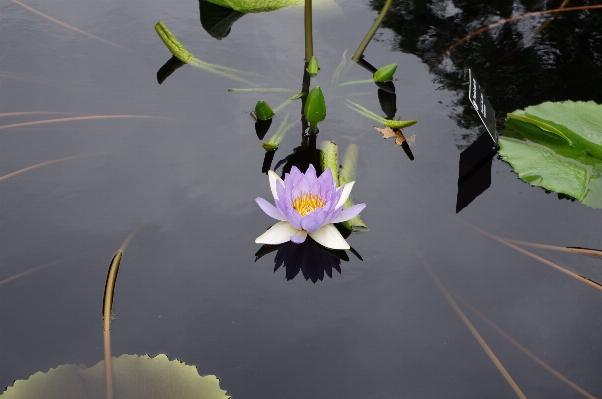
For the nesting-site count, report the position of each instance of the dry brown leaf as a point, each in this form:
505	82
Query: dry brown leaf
386	132
400	137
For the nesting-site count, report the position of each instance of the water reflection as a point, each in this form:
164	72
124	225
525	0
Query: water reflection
309	258
521	63
474	176
217	20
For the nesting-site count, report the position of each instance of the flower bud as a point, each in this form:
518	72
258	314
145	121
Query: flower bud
385	73
312	66
263	111
315	106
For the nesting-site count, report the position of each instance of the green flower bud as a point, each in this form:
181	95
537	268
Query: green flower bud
315	106
312	66
385	73
263	111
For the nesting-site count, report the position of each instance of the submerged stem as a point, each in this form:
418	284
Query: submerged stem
360	50
354	82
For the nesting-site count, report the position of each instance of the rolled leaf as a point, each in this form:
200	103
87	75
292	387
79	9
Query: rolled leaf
172	43
329	158
393	124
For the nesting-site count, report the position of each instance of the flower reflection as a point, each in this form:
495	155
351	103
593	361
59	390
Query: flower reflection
307	205
309	258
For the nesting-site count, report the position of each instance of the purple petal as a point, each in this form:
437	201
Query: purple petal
299	238
269	209
293	217
310	174
348	213
314	221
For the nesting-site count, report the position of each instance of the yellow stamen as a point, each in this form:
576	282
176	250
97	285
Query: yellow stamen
307	203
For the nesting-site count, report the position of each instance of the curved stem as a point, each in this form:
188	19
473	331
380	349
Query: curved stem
107	306
360	50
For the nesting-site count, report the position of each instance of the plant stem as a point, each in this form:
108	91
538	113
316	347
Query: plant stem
354	82
360	50
309	41
107	306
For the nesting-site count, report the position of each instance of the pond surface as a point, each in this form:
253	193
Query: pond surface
186	171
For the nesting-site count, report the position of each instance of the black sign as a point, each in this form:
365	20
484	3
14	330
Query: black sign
481	104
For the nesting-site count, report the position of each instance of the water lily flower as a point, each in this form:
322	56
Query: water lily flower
307	205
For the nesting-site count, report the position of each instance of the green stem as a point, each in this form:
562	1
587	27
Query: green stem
313	128
360	50
354	82
309	41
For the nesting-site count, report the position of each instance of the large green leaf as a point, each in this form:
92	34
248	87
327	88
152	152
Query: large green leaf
248	6
558	146
134	377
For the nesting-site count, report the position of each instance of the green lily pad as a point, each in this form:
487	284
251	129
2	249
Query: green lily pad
557	146
133	377
251	6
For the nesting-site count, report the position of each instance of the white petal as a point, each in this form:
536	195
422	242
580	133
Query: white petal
273	179
277	234
348	213
330	237
346	191
269	209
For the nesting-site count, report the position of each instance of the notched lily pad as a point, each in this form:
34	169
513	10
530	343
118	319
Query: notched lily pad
133	377
557	146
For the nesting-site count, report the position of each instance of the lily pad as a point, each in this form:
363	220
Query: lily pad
133	377
251	6
557	146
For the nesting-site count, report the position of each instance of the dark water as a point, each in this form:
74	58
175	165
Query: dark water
188	284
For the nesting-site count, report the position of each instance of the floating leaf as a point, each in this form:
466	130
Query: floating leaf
329	158
579	122
394	124
180	52
398	124
172	43
263	110
543	157
133	377
276	139
385	73
346	175
297	96
253	6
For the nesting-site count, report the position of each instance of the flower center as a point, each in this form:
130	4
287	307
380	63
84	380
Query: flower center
307	203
